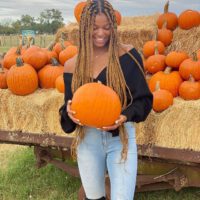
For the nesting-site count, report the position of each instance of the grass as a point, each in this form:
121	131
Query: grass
20	180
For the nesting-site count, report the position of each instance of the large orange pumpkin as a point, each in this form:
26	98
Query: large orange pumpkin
96	105
189	19
22	78
78	10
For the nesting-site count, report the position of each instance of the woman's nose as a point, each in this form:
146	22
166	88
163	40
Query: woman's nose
100	32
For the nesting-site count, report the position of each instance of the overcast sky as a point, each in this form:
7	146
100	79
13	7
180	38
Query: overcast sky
13	9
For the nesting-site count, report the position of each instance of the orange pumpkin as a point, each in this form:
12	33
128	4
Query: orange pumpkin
3	76
22	78
162	99
10	58
169	17
35	56
78	10
175	58
59	46
149	48
190	90
168	81
48	74
165	35
190	67
59	84
96	105
189	19
118	17
155	62
67	53
50	52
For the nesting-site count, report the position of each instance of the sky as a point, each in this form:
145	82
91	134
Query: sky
14	9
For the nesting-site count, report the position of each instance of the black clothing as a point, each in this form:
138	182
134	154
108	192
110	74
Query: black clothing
142	97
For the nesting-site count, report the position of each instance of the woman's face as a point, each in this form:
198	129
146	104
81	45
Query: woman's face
101	31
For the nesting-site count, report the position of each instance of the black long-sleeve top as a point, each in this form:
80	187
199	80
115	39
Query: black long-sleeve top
142	97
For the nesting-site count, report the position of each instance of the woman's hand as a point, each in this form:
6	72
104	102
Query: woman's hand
118	122
71	113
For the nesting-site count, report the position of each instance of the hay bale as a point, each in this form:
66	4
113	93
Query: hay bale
138	30
34	113
177	127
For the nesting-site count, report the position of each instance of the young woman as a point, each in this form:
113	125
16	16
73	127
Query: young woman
109	149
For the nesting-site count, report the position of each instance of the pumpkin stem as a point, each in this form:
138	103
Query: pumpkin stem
54	62
1	68
194	56
191	78
51	45
19	62
157	87
166	7
168	70
156	48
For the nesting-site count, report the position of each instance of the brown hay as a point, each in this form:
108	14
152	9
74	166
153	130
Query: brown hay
34	113
177	127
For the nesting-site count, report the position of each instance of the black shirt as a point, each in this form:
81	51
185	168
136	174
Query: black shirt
142	97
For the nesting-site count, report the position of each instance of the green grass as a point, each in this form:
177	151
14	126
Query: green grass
22	181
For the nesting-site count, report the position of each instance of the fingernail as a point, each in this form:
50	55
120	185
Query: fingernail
74	112
116	122
78	120
80	124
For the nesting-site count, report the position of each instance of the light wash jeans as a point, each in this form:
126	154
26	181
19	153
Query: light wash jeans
100	152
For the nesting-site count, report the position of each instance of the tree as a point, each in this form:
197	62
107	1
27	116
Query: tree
51	19
27	22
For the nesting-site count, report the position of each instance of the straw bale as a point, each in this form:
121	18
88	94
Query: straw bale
177	127
34	113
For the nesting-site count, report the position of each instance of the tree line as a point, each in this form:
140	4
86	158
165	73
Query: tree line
48	21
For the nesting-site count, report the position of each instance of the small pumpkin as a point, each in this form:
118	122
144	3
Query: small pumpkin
118	17
175	58
162	99
190	90
96	105
67	53
169	80
60	46
189	19
149	48
59	84
170	17
48	74
190	66
50	52
155	62
165	35
22	78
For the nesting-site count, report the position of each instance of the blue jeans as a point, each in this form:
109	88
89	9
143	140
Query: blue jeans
100	152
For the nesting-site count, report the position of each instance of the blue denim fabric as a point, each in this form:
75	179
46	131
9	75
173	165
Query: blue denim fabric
100	152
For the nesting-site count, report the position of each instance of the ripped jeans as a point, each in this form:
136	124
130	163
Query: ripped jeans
99	153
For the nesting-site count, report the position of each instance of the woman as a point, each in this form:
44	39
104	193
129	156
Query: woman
113	149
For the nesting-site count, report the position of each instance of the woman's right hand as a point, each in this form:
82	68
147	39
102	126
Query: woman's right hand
71	113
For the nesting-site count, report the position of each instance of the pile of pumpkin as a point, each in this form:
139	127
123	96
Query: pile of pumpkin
24	69
174	74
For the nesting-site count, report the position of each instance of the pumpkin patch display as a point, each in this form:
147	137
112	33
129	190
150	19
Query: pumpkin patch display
96	105
22	78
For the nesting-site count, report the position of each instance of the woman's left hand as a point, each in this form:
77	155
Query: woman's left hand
118	122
